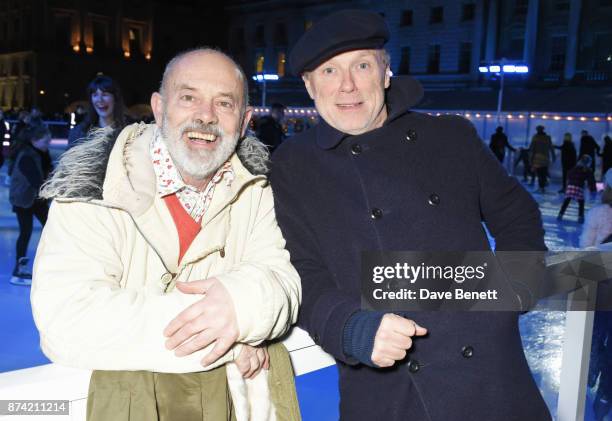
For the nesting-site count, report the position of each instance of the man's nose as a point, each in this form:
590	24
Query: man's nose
205	114
347	84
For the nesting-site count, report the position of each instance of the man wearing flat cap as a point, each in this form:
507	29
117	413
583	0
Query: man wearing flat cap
373	175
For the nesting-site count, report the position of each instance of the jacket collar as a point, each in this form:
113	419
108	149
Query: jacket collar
130	184
130	181
403	93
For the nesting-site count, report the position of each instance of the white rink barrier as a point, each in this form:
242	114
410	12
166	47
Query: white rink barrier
54	382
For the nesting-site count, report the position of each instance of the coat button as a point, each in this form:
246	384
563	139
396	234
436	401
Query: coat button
166	278
434	199
315	338
377	213
467	351
413	366
356	149
411	135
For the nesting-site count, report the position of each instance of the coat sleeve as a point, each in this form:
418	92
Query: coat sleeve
84	316
265	287
325	308
510	213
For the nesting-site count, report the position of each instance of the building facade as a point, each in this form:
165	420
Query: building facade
441	42
51	49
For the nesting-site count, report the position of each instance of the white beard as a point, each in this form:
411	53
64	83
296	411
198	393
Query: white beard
197	163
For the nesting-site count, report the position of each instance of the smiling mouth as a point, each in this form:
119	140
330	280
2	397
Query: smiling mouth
201	137
349	106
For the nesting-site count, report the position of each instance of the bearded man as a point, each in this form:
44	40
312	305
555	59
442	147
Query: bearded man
162	260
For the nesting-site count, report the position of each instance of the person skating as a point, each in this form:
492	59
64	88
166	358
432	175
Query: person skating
576	178
542	152
606	156
523	157
568	158
32	165
499	144
588	146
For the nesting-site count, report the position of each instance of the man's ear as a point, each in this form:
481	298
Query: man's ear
157	105
248	113
307	84
388	74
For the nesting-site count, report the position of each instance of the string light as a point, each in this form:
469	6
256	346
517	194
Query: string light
313	112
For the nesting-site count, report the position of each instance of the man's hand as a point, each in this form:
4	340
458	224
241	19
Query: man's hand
211	319
251	360
393	338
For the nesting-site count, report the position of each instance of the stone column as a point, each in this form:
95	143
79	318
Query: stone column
477	39
572	39
531	33
492	30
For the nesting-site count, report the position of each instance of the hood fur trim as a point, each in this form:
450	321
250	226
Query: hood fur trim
80	173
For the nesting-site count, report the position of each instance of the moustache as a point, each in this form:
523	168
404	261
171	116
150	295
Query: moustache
202	128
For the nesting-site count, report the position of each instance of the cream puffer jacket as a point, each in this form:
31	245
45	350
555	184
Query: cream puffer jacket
107	259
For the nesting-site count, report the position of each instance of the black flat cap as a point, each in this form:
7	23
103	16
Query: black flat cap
339	32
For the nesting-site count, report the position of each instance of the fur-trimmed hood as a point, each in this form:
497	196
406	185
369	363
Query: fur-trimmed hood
81	171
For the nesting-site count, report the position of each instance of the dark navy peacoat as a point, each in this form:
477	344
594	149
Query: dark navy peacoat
417	183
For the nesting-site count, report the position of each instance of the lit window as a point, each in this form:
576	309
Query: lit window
259	63
280	68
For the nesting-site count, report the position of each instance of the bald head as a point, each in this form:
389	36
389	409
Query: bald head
192	55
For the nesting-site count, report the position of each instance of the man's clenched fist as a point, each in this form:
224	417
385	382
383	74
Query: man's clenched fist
393	338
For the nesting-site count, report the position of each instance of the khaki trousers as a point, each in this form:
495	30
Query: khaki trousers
202	396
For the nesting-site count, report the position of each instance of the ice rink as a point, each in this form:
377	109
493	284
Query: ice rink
542	332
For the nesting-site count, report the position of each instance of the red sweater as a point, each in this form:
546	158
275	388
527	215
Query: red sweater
186	226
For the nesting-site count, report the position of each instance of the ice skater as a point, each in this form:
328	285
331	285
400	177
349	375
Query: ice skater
31	168
575	186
